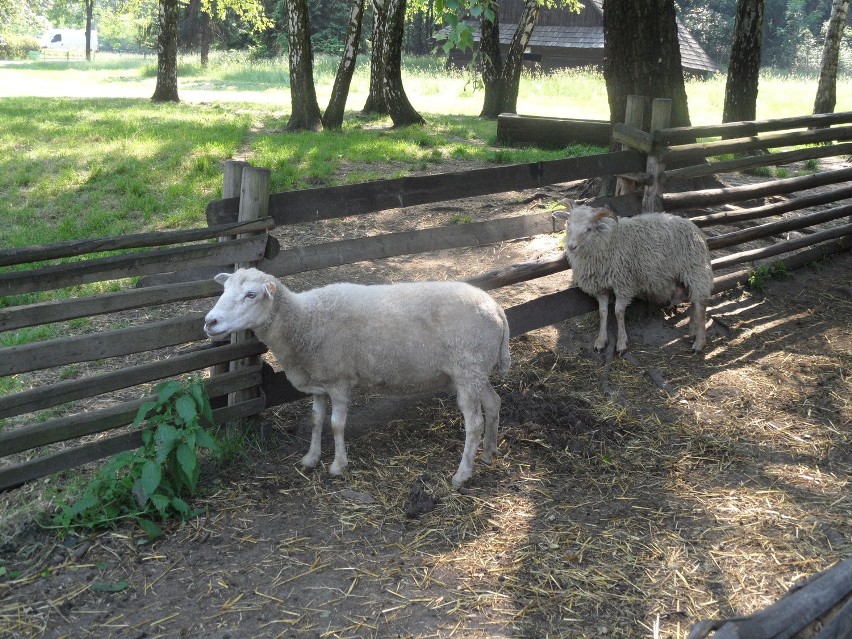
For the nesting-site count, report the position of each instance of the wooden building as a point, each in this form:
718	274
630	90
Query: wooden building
564	39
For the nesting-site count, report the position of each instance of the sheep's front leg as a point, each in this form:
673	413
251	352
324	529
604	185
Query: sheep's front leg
603	314
620	306
473	426
339	410
312	458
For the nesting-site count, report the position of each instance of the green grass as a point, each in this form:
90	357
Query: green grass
77	167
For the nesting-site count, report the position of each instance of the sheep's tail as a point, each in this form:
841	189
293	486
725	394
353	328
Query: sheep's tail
505	356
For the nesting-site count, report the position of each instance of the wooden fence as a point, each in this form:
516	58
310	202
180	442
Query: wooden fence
55	423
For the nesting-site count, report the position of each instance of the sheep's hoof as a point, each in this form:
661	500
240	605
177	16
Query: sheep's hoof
337	468
459	480
309	461
487	457
621	351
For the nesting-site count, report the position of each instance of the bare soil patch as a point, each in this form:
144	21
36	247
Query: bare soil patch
630	497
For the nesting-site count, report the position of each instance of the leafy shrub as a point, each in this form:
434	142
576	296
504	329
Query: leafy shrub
153	480
758	278
17	47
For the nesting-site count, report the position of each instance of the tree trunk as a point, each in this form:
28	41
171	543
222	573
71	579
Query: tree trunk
167	89
515	57
305	112
491	61
205	37
642	56
826	95
333	117
90	6
375	98
744	67
400	109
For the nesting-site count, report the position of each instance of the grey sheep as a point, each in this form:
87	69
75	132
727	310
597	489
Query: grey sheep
392	339
658	257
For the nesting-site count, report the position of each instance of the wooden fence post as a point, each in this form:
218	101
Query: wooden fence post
254	204
661	114
233	178
633	117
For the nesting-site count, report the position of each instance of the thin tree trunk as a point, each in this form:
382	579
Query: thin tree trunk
491	61
826	95
515	57
333	117
400	109
90	6
375	98
744	67
167	89
305	112
205	37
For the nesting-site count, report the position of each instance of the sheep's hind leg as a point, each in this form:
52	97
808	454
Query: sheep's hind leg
697	326
312	458
339	410
603	314
469	404
620	306
491	408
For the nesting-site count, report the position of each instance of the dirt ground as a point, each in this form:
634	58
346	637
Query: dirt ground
631	496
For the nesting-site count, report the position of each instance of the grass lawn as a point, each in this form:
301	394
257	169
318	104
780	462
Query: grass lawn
86	154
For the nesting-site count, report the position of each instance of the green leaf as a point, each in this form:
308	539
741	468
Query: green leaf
152	474
151	529
138	491
142	413
165	439
180	506
185	407
188	461
167	390
118	586
161	503
206	440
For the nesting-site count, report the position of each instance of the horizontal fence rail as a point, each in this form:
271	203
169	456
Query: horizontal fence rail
181	273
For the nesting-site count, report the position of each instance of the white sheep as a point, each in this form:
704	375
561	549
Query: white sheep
393	339
658	257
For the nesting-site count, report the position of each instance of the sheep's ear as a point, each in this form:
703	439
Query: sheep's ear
270	289
221	278
562	214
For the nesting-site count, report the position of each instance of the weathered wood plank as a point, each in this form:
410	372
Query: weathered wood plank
132	265
710	197
74	389
17	474
16	317
85	348
768	210
701	150
310	205
551	133
675	135
774	228
632	137
765	159
520	272
549	309
73	248
317	256
781	247
89	423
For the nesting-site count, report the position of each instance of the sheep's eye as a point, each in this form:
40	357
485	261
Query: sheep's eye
251	295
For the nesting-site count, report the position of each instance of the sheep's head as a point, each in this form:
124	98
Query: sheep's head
246	302
582	223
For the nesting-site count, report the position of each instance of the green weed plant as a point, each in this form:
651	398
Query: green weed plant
759	278
156	480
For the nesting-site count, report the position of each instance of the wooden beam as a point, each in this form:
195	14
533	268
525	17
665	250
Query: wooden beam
310	205
549	309
632	137
71	390
781	247
551	133
521	272
711	197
